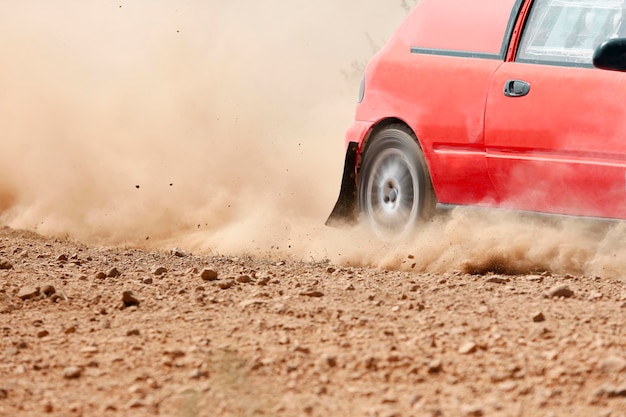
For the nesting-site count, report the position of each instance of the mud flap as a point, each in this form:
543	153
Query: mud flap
345	211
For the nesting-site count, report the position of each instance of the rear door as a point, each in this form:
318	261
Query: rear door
555	131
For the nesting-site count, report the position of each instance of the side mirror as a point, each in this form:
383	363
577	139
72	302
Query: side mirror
611	55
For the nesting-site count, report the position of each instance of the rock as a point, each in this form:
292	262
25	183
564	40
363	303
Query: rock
62	258
147	281
179	252
42	333
350	287
3	393
497	280
72	372
331	360
247	303
244	279
226	285
435	366
6	305
562	290
70	330
208	275
27	293
101	275
89	350
312	293
159	270
473	410
128	299
330	270
5	264
612	364
198	374
113	273
538	317
133	332
595	296
535	278
48	290
302	349
58	297
467	348
263	281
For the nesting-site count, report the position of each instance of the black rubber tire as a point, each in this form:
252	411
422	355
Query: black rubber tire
395	191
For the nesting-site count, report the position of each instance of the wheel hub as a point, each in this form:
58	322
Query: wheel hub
391	192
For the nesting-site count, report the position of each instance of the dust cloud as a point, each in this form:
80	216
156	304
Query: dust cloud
217	127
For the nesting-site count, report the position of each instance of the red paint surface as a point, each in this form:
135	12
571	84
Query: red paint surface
560	149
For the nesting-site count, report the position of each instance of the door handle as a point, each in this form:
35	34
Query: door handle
516	88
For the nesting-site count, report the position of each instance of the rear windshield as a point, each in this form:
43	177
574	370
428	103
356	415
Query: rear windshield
472	26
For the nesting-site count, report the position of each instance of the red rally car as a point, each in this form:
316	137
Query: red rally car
517	104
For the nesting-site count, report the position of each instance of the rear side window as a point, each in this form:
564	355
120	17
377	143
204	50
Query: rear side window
565	32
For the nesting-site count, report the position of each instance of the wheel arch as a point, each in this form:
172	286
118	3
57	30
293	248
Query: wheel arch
384	124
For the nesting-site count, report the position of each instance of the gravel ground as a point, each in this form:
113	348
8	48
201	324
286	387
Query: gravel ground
89	331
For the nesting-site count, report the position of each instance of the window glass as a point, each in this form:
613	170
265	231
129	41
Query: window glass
567	31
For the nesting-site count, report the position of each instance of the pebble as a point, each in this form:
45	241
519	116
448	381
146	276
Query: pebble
467	348
497	280
179	252
435	366
612	364
89	350
244	279
198	374
113	273
312	293
48	290
562	290
5	264
72	372
70	330
129	299
159	270
473	411
26	293
208	275
58	297
42	333
539	317
226	285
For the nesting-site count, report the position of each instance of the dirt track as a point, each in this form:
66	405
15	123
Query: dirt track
289	338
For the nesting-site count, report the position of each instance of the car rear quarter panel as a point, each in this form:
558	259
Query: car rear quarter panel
434	75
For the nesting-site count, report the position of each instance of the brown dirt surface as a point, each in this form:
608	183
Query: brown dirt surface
293	338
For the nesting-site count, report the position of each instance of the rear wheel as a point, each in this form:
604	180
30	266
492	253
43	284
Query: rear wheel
395	192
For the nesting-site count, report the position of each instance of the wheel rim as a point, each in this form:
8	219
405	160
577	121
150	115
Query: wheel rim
392	194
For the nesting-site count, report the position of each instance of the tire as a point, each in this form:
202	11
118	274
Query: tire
395	191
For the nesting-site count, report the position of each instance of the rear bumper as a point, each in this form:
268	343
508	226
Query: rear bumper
358	132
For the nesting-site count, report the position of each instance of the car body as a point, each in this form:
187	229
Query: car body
517	104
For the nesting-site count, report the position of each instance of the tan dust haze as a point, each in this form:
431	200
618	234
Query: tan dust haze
217	126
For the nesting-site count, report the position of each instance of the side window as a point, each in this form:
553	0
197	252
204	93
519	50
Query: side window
565	32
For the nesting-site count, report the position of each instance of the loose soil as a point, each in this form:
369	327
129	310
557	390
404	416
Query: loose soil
91	331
